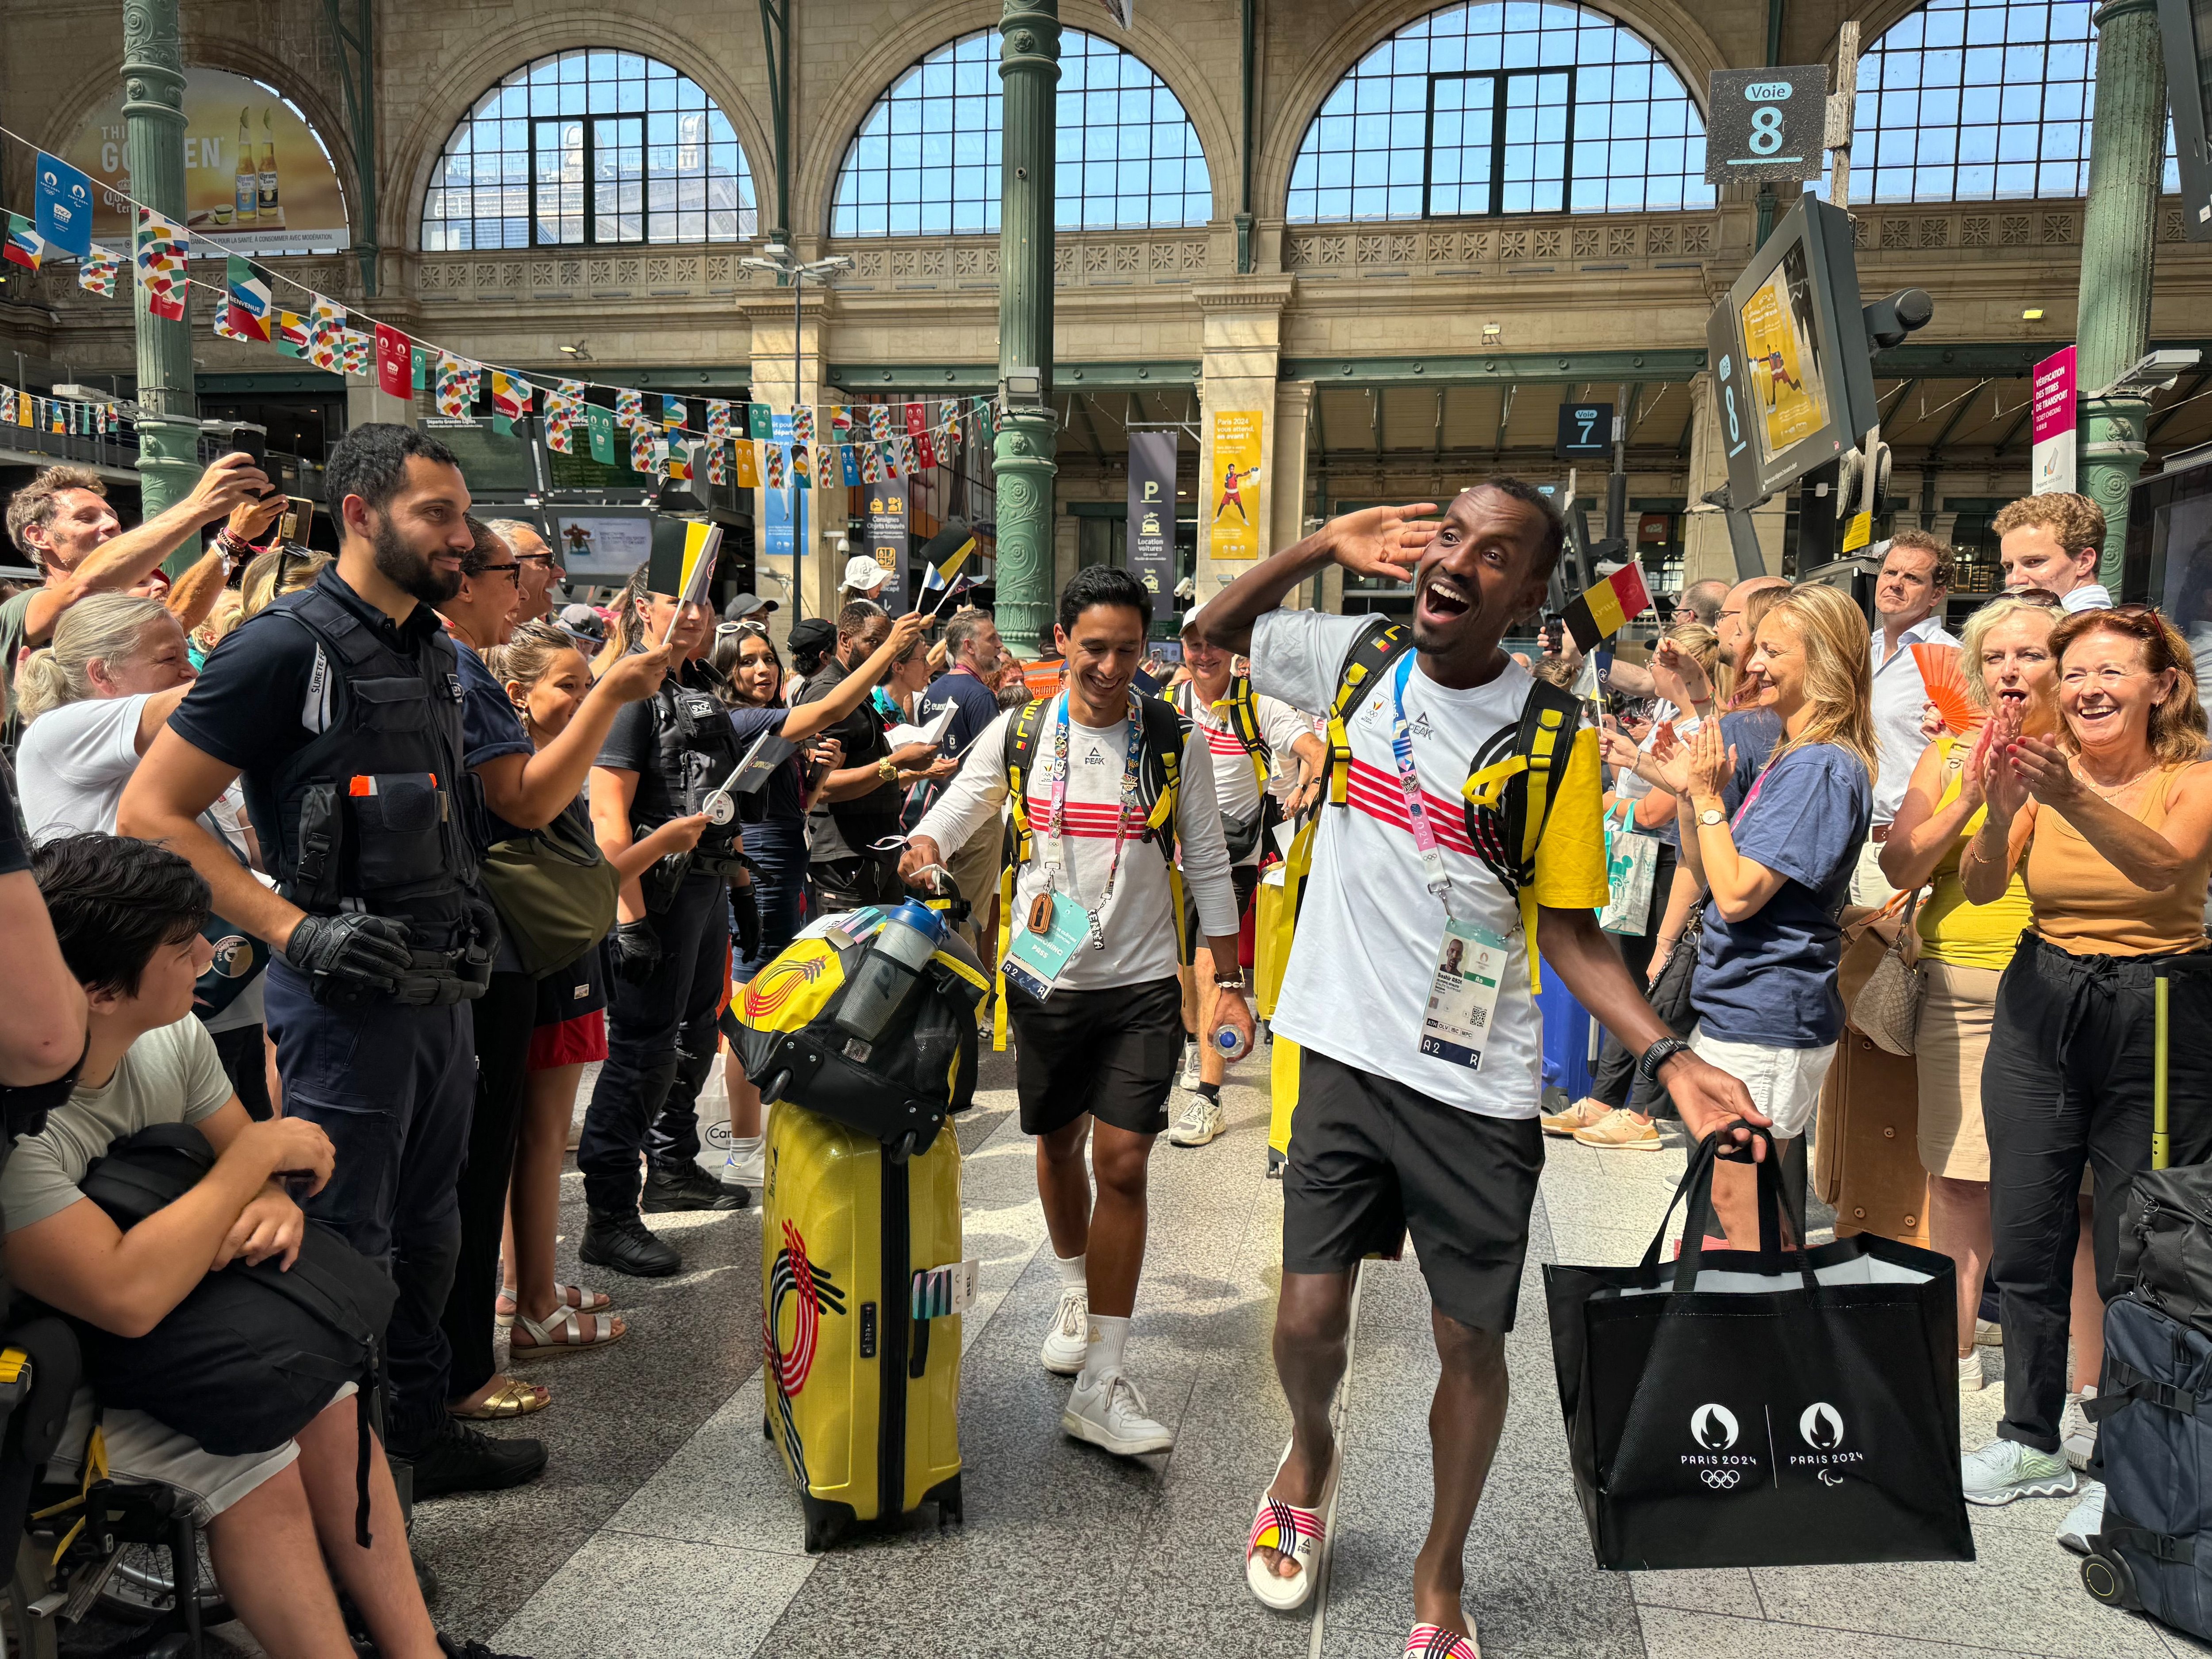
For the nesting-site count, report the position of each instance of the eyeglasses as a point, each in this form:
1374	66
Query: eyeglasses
510	570
758	630
545	559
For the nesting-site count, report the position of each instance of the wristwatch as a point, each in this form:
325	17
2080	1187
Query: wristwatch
887	769
1712	816
1658	1055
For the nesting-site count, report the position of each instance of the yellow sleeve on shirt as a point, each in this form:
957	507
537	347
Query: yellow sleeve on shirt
1571	863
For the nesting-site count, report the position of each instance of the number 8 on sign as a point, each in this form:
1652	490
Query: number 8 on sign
1765	130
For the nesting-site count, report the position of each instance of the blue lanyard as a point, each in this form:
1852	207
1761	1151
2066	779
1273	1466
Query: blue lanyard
1438	879
1055	812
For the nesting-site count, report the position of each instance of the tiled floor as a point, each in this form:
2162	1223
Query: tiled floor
664	1528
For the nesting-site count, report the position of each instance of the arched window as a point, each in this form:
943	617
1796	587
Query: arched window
590	147
1503	108
1971	100
926	161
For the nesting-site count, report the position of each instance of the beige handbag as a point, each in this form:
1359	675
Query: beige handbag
1887	1006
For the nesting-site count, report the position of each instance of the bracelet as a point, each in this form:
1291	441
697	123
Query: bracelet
1235	984
1647	1066
887	769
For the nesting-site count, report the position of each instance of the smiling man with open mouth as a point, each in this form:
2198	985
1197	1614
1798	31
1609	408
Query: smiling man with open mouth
1408	986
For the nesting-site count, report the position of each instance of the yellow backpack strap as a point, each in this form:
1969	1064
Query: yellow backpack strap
1374	652
1549	720
1296	867
1165	733
1020	760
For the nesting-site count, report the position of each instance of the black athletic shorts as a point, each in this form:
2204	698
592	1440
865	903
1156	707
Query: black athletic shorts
1247	877
1111	1053
1371	1160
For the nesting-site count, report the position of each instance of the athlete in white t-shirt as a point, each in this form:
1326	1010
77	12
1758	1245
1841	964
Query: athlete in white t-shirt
1091	990
1239	786
1420	1078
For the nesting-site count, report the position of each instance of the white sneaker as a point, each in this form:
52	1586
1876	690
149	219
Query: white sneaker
1988	1334
2077	1435
1190	1080
2085	1519
1202	1121
1064	1343
1970	1379
2005	1469
747	1165
1110	1412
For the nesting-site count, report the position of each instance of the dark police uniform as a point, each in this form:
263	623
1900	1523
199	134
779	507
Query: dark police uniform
661	1032
346	730
844	870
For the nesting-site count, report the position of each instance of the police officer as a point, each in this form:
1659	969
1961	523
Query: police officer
670	951
340	708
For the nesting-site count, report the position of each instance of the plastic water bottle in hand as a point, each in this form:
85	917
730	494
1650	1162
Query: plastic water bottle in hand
900	949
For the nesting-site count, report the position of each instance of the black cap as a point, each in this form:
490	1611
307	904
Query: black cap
814	634
745	604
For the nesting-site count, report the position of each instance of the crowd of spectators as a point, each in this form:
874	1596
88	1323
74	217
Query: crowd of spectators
333	1002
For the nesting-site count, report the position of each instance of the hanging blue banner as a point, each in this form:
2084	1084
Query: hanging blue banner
65	206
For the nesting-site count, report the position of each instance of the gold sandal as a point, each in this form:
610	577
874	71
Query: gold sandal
512	1397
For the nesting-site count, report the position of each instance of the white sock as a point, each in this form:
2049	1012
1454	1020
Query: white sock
1102	1355
746	1145
1073	1269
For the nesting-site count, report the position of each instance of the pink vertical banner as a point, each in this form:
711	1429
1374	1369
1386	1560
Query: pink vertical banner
2052	413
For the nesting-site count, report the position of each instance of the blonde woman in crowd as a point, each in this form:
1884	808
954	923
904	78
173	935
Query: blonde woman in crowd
2108	820
1779	872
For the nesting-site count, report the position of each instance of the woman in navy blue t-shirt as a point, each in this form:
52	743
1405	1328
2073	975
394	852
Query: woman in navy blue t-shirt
1779	873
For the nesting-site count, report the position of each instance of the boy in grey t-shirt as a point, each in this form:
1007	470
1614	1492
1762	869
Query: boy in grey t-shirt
127	915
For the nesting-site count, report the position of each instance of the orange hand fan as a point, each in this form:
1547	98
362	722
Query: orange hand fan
1945	682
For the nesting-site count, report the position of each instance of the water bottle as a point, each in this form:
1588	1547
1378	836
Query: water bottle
1231	1045
900	949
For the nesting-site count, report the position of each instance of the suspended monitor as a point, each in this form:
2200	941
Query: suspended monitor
491	460
1790	356
2186	26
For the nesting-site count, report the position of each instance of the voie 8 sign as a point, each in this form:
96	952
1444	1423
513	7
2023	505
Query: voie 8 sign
1765	122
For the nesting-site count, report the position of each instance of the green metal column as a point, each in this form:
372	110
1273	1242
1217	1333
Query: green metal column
1029	66
2127	151
153	125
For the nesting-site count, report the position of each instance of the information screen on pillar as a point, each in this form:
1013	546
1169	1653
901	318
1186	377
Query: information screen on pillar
2186	26
1793	352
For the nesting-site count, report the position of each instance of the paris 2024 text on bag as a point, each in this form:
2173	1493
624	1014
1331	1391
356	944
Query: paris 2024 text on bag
1769	1408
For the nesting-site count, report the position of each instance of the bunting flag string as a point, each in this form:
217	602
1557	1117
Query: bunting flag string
24	245
162	251
97	274
67	415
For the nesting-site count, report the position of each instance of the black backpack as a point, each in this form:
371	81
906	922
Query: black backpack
251	1354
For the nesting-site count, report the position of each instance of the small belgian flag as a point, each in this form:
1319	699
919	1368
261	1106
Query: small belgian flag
1597	615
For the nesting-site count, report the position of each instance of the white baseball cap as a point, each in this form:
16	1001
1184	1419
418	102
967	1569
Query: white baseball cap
862	572
1189	618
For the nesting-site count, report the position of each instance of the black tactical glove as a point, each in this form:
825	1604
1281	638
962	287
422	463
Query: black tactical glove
371	949
633	951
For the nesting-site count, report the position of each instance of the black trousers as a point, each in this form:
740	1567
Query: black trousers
661	1046
1615	1076
839	884
244	1059
504	1016
2069	1081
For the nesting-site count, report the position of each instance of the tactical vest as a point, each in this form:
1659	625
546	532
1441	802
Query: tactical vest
371	815
695	749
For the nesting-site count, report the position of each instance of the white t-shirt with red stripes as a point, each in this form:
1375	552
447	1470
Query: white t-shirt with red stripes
1236	780
1368	929
1139	921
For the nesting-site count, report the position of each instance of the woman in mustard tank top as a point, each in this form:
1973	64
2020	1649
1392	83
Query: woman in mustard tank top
2109	821
1964	947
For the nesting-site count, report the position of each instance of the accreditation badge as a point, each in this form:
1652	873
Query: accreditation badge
1036	960
1463	994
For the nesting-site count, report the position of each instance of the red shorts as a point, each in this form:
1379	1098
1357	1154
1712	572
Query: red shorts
572	1043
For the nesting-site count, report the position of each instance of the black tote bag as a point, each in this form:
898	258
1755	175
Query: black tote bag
1757	1409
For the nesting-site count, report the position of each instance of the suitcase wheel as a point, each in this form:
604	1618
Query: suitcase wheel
2108	1579
768	1428
945	1494
826	1522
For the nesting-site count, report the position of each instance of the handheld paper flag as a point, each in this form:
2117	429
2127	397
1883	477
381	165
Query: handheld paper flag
1599	613
682	561
946	552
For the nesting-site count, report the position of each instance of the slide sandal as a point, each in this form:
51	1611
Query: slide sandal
1294	1531
1435	1642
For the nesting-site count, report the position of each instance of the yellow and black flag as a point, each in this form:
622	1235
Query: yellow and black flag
683	558
1597	615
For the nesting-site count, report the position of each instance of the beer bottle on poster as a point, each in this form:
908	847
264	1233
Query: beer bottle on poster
248	184
271	213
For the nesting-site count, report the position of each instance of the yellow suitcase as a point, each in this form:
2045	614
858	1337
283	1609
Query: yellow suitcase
860	1276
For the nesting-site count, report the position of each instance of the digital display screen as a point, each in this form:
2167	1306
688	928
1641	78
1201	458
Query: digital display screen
603	546
489	459
1783	365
